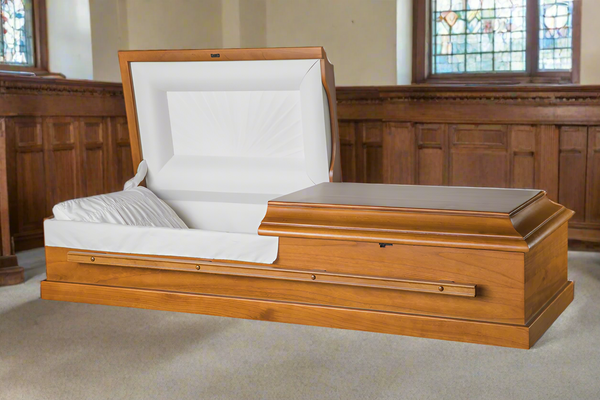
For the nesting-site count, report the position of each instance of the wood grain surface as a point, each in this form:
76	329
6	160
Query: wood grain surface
498	276
445	288
512	288
334	317
10	272
470	200
495	219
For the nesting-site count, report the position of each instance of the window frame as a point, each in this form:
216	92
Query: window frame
421	73
40	43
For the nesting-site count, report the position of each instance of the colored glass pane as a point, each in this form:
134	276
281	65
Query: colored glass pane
16	42
556	34
478	36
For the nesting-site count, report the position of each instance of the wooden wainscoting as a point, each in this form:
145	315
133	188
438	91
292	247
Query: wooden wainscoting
517	137
63	139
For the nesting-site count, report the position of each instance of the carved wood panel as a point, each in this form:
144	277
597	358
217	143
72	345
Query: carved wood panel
370	151
120	158
61	142
29	176
347	131
523	156
479	155
57	159
398	153
450	154
573	161
432	154
547	160
5	239
361	146
93	149
592	213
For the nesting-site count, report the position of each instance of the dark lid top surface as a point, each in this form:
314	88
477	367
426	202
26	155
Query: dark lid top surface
413	196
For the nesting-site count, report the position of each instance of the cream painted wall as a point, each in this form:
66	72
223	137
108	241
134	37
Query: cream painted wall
358	35
69	38
590	43
253	23
230	21
244	23
109	35
404	42
174	24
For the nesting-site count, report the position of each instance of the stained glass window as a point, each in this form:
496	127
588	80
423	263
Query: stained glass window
16	44
556	34
479	36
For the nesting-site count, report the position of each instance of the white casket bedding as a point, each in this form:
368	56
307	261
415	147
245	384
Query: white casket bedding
134	205
137	206
136	221
129	239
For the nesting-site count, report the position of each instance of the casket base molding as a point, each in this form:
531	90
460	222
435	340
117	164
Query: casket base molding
506	335
10	272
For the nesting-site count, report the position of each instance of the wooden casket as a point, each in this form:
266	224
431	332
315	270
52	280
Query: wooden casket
243	145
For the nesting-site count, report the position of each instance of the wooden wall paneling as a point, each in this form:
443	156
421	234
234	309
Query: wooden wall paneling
27	181
572	169
592	212
499	105
347	148
10	272
5	242
359	153
120	164
522	156
547	160
432	154
62	150
370	151
93	150
399	153
11	177
479	155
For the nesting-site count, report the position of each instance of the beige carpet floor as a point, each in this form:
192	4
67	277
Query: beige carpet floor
56	350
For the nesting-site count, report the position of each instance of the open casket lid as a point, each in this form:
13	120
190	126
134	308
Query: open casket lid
231	126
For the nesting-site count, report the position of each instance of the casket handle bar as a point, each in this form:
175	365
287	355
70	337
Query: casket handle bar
447	288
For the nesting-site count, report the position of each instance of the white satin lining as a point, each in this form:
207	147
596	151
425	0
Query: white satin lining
194	243
234	127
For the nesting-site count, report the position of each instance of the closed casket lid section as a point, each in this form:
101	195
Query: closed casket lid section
222	138
490	218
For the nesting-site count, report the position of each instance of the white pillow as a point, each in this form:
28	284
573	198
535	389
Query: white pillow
134	206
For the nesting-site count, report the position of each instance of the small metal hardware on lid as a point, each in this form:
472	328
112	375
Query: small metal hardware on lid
441	288
313	277
197	267
93	259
